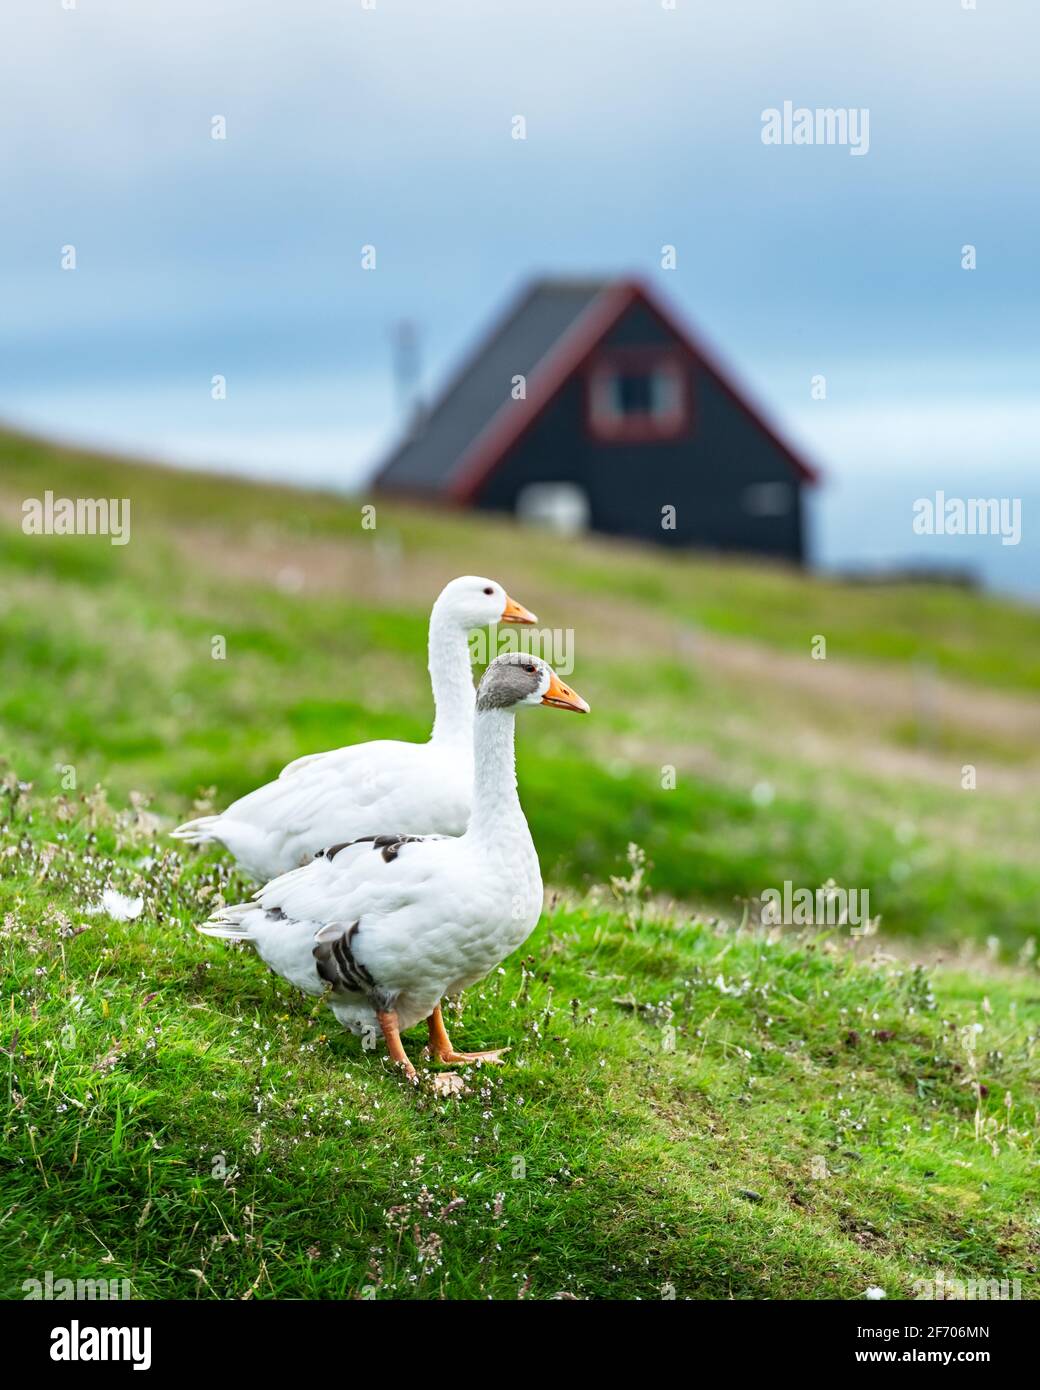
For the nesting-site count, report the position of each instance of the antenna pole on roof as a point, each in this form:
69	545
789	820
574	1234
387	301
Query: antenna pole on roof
407	373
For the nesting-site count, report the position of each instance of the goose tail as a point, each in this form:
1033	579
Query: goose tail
200	831
226	923
224	933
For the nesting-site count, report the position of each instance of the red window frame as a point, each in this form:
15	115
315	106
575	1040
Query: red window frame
610	426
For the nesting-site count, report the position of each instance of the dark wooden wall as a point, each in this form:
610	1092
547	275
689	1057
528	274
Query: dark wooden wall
704	475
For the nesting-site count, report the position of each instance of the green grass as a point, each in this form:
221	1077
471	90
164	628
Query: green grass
690	1105
687	1104
105	665
976	637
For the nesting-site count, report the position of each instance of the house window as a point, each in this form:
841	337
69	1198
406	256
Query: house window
637	396
767	499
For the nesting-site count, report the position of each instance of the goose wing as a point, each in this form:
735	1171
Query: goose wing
337	796
376	875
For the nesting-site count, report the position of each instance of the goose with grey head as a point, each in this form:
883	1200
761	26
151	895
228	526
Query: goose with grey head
380	787
390	924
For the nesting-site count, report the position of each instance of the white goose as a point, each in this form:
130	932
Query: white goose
383	786
401	921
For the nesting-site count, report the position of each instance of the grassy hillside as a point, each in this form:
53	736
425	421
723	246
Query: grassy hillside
785	767
691	1107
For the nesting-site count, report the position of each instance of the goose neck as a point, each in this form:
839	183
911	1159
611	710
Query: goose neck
496	805
452	681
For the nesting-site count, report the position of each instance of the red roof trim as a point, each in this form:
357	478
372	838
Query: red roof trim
740	396
514	418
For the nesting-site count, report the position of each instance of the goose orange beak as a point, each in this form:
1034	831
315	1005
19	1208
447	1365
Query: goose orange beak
561	696
516	613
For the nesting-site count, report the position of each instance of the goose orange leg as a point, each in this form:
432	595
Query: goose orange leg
392	1036
440	1044
446	1084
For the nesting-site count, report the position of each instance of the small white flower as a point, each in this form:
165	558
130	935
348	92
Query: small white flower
874	1293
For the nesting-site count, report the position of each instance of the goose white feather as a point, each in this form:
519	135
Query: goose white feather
389	925
386	785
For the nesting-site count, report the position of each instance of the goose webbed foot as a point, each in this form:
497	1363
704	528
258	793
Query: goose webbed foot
442	1050
495	1056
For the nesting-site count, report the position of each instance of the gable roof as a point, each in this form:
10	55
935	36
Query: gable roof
547	335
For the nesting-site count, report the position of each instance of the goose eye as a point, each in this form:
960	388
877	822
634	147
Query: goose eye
489	592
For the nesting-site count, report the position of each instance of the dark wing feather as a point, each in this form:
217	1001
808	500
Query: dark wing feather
389	844
339	968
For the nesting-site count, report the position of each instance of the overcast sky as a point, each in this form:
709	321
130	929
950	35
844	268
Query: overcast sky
391	126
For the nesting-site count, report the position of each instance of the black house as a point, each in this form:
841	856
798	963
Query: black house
589	405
